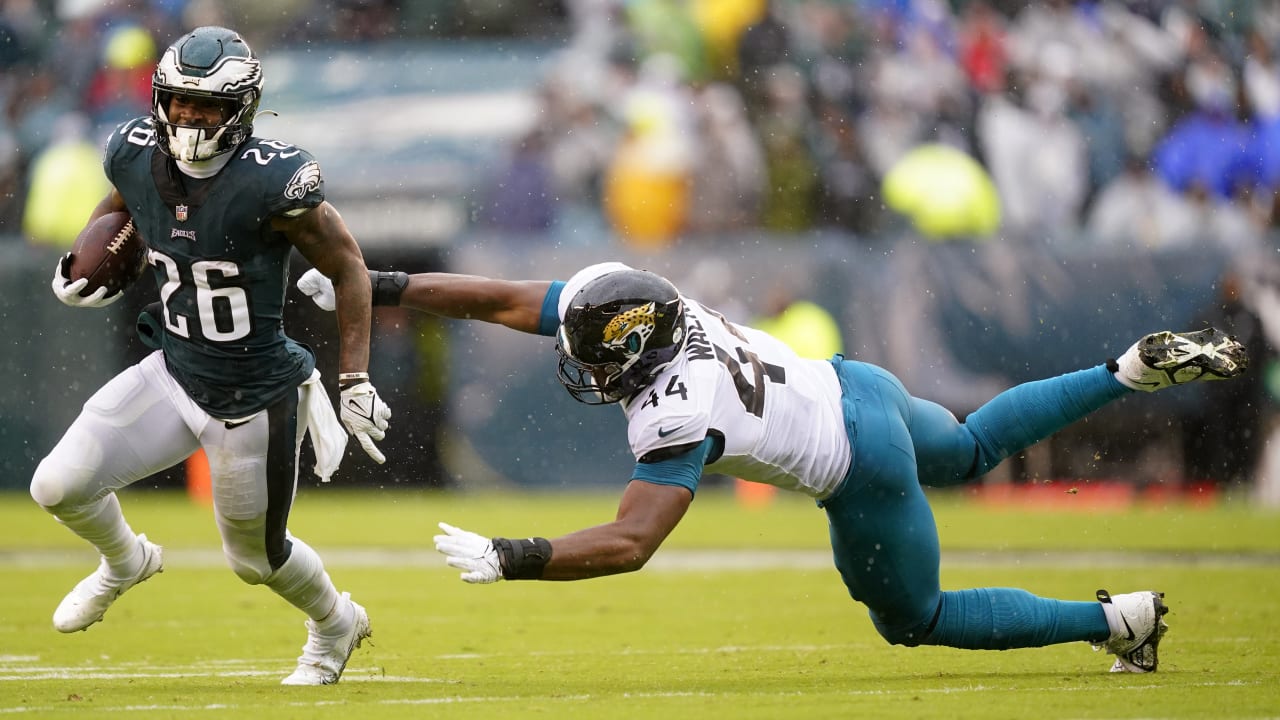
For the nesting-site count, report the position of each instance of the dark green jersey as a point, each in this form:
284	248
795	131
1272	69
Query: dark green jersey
222	271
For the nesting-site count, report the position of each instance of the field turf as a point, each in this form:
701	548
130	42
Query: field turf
739	616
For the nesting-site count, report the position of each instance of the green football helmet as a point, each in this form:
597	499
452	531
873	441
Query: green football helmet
207	63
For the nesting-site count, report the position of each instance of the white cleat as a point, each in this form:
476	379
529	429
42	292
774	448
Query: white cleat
324	657
1164	359
1137	625
89	599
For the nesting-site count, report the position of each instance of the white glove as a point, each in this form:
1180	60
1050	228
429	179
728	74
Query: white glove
470	553
365	416
317	286
69	292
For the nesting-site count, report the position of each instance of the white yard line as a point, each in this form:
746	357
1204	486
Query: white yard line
673	559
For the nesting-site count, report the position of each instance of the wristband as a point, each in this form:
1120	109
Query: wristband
523	559
346	380
387	287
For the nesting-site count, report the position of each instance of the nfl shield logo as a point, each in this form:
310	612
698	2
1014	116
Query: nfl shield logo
181	212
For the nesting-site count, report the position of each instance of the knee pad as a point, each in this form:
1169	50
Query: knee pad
54	483
908	635
251	572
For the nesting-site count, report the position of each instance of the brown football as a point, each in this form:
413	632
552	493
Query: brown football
110	252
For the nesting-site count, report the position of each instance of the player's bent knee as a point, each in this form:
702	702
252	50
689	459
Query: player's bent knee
249	572
910	635
49	483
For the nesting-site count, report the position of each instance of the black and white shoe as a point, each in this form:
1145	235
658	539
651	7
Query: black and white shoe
1137	625
1165	358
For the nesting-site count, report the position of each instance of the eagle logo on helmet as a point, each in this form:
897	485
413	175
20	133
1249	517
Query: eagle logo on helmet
630	330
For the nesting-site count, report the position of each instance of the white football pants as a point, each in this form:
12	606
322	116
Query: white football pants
142	422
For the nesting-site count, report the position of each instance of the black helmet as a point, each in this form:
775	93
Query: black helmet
620	331
210	63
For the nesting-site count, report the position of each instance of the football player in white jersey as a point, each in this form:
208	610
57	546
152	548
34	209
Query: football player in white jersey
705	395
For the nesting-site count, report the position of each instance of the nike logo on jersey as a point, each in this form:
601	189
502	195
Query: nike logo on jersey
662	432
232	424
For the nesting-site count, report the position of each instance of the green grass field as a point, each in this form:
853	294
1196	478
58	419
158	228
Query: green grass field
739	616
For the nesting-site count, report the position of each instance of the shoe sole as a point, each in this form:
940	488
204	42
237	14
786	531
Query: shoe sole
1216	354
157	555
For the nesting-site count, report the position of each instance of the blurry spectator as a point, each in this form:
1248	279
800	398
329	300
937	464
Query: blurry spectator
1136	210
1136	58
38	101
73	52
912	86
1207	149
729	175
1037	157
667	27
1102	127
66	184
11	169
831	41
981	37
581	136
764	45
646	195
1227	224
850	194
721	24
1261	78
1224	433
121	89
519	198
786	130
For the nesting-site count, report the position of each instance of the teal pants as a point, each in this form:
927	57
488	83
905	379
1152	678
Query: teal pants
883	534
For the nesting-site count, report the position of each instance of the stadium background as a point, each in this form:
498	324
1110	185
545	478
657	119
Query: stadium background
438	126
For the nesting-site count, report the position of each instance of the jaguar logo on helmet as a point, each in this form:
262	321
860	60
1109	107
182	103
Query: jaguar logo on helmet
631	329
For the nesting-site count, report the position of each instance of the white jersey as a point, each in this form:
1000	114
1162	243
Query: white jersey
779	415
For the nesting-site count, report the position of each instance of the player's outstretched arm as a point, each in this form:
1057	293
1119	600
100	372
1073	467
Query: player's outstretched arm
647	514
516	304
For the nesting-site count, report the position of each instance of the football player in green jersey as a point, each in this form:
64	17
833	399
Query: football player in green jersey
221	210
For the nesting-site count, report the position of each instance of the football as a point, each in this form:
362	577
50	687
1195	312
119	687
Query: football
110	252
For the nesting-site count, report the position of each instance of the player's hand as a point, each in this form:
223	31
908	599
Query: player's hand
69	292
365	416
315	285
473	554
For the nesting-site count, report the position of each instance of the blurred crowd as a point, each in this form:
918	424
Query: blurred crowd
1147	123
1122	122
